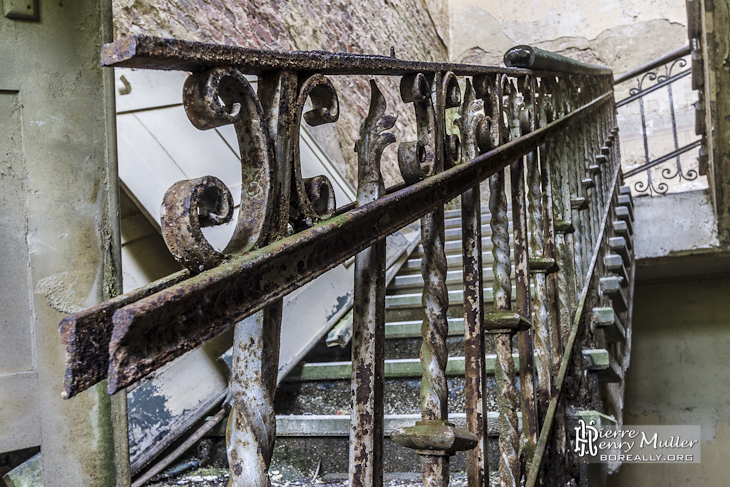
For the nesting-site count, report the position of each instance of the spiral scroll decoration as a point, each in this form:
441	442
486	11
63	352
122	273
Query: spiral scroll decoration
223	96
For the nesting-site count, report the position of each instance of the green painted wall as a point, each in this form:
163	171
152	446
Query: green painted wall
679	375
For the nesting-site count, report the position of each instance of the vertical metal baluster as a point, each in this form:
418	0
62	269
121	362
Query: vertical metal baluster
564	226
591	193
649	183
251	431
548	166
366	406
509	464
596	172
573	169
434	355
546	162
584	142
539	266
520	123
474	126
594	168
434	438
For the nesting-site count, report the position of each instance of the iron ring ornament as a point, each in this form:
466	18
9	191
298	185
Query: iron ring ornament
223	96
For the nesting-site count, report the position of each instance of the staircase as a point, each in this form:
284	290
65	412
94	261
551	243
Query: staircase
313	402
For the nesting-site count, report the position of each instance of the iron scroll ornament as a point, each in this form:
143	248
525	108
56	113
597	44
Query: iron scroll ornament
650	186
223	96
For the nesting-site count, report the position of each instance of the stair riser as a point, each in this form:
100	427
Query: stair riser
404	284
453	262
303	455
454	245
456	298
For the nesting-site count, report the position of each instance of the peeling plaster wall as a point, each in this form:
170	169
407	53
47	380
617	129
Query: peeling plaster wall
621	34
692	229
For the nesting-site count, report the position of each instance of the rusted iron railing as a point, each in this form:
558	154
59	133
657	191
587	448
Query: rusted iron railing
665	74
548	127
684	163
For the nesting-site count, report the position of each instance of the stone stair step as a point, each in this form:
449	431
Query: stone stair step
339	425
402	283
453	261
414	300
412	329
328	425
595	360
609	320
449	214
454	233
454	245
455	221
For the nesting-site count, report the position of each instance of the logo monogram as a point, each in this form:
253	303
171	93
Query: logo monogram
585	438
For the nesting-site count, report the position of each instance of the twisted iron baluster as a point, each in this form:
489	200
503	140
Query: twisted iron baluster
509	465
433	437
251	431
548	166
520	116
538	266
564	226
574	155
434	354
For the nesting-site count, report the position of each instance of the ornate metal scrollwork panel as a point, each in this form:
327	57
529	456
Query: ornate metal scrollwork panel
223	96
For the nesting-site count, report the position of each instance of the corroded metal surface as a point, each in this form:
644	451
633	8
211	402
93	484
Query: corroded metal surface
366	404
540	317
541	60
289	231
243	284
86	336
435	328
578	321
154	53
519	115
251	431
507	400
471	231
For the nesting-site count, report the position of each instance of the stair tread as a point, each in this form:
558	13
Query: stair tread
596	360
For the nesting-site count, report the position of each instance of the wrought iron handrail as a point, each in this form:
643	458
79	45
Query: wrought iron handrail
664	158
547	119
651	65
653	88
650	72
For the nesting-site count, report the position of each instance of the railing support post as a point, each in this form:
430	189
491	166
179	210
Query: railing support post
474	128
366	406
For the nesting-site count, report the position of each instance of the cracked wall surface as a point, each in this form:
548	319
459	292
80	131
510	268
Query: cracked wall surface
621	34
